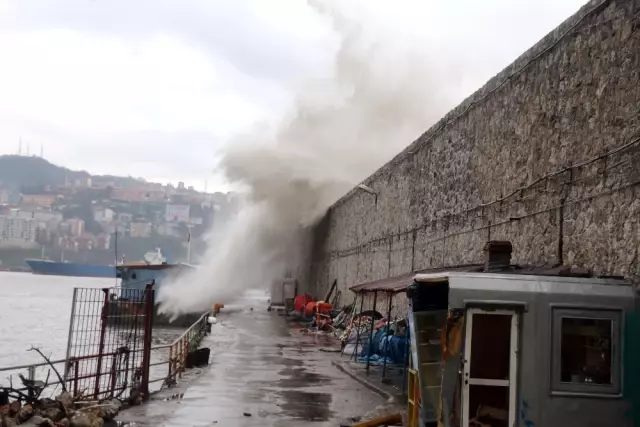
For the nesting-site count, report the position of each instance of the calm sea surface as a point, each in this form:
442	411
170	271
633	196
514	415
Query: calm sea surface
35	310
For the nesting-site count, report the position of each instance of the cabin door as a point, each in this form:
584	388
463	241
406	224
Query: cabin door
489	382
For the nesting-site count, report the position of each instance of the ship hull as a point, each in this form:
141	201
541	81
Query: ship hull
70	269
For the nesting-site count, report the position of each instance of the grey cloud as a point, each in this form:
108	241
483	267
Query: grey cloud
227	28
167	156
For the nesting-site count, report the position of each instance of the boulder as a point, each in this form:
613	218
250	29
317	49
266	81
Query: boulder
46	403
7	422
54	413
38	421
66	399
109	409
85	419
14	408
25	413
63	423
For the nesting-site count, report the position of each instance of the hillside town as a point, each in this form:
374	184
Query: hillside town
84	215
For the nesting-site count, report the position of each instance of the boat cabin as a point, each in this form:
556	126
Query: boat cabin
136	276
511	346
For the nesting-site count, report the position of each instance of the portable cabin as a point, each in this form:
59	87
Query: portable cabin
513	346
283	292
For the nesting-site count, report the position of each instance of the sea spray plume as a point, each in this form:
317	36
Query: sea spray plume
381	98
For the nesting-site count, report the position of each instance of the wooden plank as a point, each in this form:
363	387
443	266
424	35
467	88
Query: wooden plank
333	287
387	420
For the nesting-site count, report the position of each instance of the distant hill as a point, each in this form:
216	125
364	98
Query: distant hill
21	171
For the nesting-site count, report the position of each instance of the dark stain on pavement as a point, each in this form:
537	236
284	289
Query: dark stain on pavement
306	406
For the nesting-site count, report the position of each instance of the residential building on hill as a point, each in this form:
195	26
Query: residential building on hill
177	213
16	230
39	200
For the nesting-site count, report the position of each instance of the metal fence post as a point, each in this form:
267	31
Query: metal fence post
103	330
355	350
373	321
70	336
148	330
386	338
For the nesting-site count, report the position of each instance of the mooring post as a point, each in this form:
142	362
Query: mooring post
373	321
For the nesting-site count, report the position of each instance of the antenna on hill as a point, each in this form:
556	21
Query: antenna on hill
20	146
27	149
41	151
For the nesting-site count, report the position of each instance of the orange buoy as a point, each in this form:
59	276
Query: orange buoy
324	307
310	309
216	308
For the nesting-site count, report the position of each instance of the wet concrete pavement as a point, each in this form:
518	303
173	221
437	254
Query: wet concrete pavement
260	367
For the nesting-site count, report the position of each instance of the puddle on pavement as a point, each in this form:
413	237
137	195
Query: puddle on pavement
300	377
281	360
305	405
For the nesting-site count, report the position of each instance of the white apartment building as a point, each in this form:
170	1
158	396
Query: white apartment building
14	228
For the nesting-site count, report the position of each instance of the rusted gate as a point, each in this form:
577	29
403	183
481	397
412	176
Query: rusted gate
109	346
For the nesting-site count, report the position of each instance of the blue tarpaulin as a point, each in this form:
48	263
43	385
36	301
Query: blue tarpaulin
383	346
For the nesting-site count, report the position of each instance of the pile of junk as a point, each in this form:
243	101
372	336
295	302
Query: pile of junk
367	336
314	315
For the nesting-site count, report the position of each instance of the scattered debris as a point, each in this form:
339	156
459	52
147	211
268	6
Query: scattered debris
28	408
61	412
330	350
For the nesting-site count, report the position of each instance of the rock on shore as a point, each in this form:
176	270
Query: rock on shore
61	412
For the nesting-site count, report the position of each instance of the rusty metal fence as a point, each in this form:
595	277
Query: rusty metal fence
186	343
109	349
109	345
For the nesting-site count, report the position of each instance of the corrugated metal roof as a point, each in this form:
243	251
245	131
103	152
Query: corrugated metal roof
399	283
390	284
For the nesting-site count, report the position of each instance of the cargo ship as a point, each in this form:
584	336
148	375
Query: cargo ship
64	268
57	268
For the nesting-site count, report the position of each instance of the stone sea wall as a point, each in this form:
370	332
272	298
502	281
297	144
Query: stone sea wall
546	155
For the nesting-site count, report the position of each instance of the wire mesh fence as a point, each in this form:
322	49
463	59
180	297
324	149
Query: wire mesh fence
110	351
109	342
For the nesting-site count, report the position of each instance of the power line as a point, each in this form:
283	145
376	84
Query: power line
383	239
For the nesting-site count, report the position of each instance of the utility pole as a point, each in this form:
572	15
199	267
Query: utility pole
189	245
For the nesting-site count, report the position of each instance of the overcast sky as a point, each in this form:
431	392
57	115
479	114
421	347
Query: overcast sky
155	88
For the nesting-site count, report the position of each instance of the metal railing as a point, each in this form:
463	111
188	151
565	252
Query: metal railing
185	343
173	356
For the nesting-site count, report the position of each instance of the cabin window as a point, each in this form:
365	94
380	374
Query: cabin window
586	351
